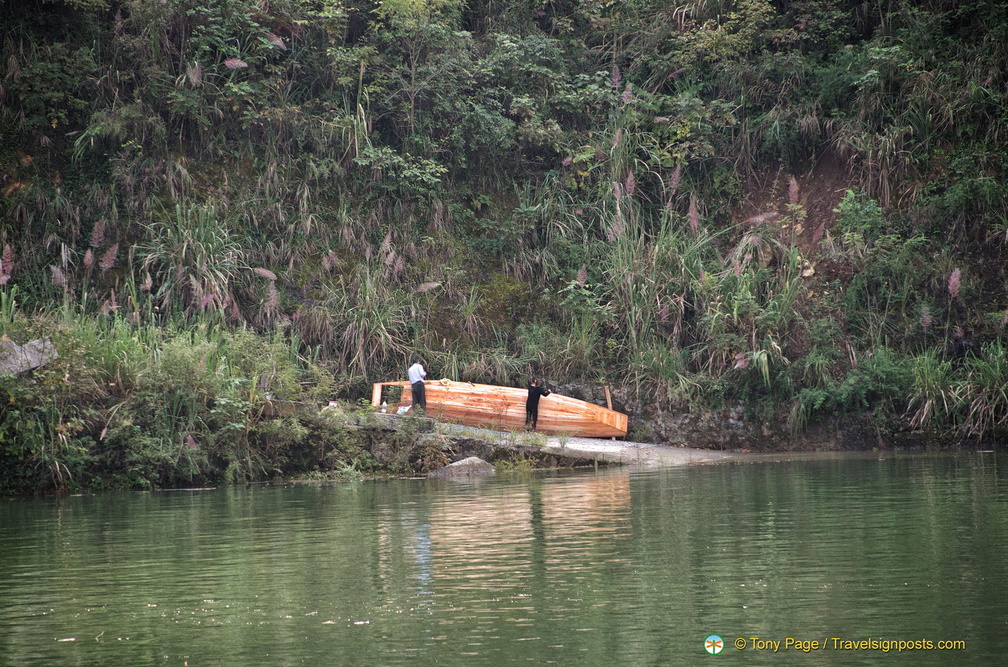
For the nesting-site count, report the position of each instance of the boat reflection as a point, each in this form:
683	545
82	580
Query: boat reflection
501	537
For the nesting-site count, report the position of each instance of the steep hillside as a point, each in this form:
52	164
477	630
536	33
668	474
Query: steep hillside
796	206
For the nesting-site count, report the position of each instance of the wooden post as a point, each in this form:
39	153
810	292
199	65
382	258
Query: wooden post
376	394
608	402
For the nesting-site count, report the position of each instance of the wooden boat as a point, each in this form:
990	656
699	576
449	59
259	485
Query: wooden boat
503	408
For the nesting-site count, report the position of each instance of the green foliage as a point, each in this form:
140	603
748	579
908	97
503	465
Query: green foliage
878	385
142	407
404	175
41	433
859	219
193	260
84	5
965	400
49	87
362	323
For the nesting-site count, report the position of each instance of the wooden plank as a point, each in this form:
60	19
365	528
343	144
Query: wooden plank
608	401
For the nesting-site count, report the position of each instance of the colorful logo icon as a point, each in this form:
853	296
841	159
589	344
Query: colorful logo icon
714	644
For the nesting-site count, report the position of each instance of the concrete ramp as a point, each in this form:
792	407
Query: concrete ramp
632	453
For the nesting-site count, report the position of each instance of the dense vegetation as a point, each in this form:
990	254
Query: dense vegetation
217	208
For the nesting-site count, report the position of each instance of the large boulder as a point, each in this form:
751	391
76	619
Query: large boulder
16	359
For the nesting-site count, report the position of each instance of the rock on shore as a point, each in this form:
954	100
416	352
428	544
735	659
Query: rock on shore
468	467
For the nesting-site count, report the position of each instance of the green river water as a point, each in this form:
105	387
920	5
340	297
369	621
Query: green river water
619	566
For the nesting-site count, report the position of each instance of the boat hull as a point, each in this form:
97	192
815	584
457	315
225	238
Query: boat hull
503	408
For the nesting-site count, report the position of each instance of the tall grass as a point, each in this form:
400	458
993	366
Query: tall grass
194	260
984	393
361	322
968	400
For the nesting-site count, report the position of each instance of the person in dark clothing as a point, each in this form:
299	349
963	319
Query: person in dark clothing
535	392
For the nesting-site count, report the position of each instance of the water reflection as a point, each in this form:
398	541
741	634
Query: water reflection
486	560
621	566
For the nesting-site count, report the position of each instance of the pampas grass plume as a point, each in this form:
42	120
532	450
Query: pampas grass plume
954	283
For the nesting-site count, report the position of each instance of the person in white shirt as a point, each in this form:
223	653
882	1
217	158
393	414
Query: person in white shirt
416	375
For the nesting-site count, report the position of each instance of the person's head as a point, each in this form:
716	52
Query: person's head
534	382
416	361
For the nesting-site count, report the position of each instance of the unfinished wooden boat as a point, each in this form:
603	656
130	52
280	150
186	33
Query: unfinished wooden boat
503	408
